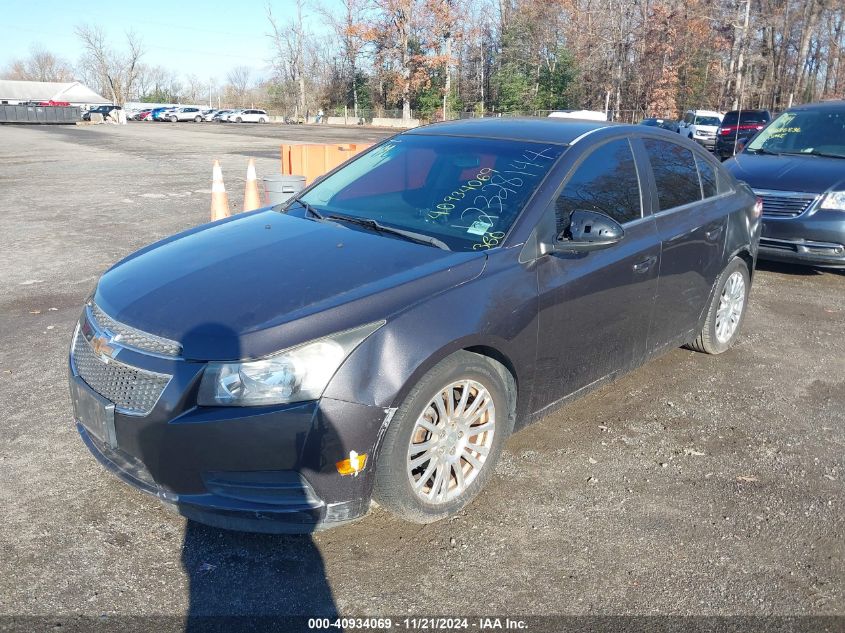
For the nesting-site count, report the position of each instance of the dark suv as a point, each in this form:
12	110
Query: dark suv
737	127
797	166
105	110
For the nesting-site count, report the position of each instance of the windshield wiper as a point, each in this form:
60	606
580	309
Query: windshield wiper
764	151
823	154
411	236
308	207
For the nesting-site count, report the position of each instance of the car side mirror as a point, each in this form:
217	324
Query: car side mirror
588	231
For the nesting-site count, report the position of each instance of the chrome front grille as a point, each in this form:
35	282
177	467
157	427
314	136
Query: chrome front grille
128	336
133	391
785	204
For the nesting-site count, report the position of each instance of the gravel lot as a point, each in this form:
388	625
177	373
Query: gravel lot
695	485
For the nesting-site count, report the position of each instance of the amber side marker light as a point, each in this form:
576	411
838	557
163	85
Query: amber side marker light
353	465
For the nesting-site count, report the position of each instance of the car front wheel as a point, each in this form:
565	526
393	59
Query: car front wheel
239	120
443	442
726	310
198	119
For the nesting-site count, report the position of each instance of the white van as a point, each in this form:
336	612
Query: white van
701	126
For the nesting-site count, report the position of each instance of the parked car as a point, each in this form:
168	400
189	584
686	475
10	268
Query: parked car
161	114
105	110
451	284
208	115
144	115
185	114
222	115
737	127
797	166
701	126
666	124
249	116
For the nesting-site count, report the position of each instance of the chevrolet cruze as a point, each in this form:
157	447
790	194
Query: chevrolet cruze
381	336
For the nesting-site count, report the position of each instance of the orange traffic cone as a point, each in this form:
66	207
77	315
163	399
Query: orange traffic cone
219	199
251	198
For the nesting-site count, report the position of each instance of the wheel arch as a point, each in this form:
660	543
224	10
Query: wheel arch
492	350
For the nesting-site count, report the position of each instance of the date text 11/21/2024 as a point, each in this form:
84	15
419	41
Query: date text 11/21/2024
419	623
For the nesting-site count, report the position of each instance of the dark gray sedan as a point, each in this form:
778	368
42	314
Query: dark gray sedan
382	335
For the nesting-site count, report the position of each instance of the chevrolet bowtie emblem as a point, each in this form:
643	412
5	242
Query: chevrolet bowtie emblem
101	347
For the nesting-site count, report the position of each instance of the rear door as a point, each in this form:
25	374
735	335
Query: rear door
595	307
692	231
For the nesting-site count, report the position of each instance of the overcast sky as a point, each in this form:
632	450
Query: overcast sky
186	36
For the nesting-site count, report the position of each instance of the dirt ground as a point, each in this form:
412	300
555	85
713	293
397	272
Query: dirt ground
696	485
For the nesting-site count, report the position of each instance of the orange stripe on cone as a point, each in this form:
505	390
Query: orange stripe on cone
219	199
251	198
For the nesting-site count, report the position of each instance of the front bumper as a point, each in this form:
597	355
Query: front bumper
259	469
814	238
707	142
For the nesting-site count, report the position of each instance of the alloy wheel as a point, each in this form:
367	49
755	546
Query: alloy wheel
731	304
451	441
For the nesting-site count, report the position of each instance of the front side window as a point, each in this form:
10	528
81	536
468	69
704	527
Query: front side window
605	182
465	192
675	173
820	132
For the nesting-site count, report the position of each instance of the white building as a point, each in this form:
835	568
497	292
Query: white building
13	92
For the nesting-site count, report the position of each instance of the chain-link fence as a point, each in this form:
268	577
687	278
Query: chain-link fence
376	116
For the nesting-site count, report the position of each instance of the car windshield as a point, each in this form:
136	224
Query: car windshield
707	120
465	192
804	132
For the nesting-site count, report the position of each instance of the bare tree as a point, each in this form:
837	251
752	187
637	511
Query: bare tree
288	41
40	65
239	81
117	72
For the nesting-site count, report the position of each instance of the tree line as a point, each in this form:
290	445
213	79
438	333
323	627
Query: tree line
436	58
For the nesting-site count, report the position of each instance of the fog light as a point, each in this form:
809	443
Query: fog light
353	465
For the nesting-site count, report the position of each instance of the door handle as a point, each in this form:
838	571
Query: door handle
643	266
713	234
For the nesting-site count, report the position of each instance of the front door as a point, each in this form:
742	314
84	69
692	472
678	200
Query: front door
595	307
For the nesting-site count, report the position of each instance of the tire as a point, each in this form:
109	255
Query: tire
262	120
713	339
239	120
173	119
466	373
198	119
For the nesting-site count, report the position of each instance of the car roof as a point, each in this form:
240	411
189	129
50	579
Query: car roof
550	130
835	104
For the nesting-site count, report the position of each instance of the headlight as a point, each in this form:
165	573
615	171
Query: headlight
292	375
835	201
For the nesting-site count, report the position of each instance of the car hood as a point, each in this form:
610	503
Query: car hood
813	174
264	281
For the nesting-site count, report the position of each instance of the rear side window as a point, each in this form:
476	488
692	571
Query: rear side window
606	182
675	173
707	173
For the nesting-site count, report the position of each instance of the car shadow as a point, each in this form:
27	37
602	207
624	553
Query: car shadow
240	581
253	582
